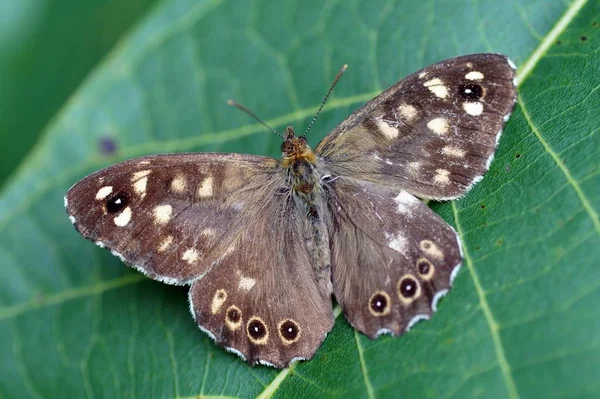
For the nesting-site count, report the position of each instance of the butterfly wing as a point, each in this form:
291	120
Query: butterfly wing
170	216
432	134
392	257
225	224
266	301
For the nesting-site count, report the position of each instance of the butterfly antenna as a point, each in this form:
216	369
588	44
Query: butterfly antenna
337	77
246	110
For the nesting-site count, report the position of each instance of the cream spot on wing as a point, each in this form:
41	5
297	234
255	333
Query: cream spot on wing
436	86
431	249
474	75
469	65
144	162
208	233
102	193
218	301
165	243
123	218
433	82
246	284
438	125
407	111
405	201
162	214
140	186
190	255
387	130
397	242
454	151
474	109
138	175
205	189
414	166
178	184
442	176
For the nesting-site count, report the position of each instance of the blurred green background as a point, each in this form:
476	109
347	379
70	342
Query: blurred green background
47	48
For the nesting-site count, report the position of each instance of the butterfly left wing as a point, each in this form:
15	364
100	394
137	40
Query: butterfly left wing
171	216
433	133
226	224
392	257
269	299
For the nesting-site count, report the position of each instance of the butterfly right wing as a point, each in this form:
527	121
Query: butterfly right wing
392	257
433	133
171	216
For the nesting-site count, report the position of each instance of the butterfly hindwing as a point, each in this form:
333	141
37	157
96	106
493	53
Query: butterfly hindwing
392	257
268	300
433	133
170	216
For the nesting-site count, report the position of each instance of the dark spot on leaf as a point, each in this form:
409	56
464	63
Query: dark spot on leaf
595	23
517	155
558	42
583	38
116	203
499	242
289	330
471	91
257	329
482	206
408	287
379	303
107	146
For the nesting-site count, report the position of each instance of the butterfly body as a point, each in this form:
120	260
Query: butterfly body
265	244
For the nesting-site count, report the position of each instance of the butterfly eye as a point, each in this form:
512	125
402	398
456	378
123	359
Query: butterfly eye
471	91
117	203
287	147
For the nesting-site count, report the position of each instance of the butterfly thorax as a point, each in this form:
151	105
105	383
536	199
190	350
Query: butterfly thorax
300	162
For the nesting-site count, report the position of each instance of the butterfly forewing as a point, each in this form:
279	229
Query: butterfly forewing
433	133
392	257
170	216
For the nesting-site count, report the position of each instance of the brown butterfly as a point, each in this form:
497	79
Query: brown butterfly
264	243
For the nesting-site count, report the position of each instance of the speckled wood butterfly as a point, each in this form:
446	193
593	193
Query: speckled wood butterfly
265	243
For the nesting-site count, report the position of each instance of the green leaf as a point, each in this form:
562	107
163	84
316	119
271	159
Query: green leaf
522	320
47	47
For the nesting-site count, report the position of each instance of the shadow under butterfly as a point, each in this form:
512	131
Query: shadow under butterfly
265	243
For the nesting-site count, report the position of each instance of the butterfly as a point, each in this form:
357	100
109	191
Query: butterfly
264	243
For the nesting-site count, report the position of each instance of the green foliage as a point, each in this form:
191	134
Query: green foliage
522	320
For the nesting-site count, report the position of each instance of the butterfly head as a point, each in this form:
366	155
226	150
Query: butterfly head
295	149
